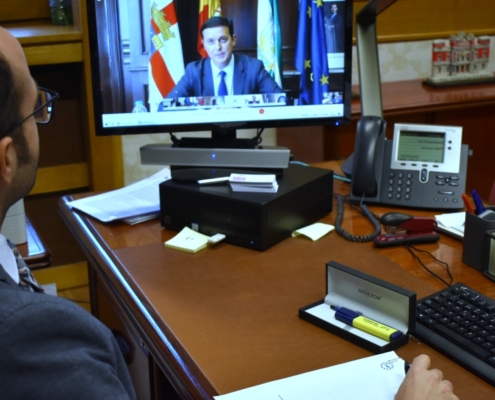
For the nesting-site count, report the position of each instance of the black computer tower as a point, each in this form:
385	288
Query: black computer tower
253	220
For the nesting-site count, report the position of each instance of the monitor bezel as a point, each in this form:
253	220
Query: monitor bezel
207	126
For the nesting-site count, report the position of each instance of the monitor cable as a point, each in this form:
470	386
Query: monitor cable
366	212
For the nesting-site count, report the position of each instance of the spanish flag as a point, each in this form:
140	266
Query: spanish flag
207	9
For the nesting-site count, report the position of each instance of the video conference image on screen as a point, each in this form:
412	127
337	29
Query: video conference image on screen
159	62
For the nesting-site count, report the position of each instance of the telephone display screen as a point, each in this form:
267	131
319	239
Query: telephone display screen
421	146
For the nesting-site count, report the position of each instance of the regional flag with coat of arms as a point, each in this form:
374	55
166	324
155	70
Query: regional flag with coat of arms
311	53
270	38
166	65
207	9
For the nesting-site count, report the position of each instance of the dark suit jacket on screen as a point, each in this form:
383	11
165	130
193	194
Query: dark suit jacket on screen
250	77
53	349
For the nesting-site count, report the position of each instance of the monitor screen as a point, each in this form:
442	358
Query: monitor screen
285	63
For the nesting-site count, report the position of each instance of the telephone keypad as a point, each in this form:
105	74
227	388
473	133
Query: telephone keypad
400	188
419	187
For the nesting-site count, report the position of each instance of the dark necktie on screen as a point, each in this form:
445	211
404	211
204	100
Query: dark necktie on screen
222	86
26	278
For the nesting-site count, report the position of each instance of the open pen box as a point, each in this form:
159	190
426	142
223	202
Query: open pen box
376	299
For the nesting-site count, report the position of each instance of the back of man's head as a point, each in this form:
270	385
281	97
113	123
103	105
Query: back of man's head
213	22
10	98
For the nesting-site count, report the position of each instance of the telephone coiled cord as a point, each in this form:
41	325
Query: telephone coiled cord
348	236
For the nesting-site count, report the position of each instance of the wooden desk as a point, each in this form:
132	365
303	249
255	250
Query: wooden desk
226	318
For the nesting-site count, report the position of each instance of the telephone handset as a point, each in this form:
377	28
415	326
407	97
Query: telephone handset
424	166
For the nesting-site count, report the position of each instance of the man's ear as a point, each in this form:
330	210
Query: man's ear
7	160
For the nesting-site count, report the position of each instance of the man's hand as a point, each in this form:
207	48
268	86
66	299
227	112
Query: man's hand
422	383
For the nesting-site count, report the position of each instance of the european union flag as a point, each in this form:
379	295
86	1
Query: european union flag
311	53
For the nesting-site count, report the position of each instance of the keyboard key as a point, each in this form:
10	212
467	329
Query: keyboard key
461	340
490	309
460	330
478	340
470	335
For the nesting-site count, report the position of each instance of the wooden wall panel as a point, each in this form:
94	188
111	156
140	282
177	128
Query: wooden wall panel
24	10
426	19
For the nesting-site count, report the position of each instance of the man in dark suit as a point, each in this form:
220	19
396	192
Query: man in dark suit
223	73
334	30
50	347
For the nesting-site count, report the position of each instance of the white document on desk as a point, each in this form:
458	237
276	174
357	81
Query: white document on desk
371	378
140	198
452	223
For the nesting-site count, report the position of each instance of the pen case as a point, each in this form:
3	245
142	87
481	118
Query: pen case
476	247
376	299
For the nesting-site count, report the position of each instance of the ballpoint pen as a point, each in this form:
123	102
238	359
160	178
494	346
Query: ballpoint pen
406	366
467	203
356	319
478	203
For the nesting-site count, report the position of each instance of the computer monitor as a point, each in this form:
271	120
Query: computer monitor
141	49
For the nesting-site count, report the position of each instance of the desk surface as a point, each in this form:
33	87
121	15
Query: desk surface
226	318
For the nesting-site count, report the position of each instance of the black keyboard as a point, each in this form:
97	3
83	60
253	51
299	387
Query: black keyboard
459	322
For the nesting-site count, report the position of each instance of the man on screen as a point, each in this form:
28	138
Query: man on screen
334	30
223	73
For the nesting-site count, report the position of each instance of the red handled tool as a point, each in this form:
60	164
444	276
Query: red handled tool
404	228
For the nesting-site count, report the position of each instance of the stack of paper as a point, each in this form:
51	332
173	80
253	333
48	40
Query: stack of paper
132	204
253	183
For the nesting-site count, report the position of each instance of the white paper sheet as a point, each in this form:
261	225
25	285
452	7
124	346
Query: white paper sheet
314	231
372	378
451	223
137	199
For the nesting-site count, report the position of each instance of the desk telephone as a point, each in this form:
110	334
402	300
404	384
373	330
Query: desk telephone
424	166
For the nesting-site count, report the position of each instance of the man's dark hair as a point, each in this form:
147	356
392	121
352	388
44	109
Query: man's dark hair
213	22
10	112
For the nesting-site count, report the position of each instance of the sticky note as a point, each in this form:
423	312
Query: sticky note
188	240
314	231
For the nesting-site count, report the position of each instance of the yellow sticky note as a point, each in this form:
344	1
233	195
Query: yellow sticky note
188	240
314	231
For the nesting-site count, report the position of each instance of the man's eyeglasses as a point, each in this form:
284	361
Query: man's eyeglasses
43	110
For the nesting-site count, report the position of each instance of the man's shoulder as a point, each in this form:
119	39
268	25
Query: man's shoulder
196	65
246	60
21	302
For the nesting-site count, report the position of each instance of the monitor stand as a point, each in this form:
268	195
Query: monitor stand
192	159
370	88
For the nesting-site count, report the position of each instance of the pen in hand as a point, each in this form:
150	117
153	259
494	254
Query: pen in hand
406	366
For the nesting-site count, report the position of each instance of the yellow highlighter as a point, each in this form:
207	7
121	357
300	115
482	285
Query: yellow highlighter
357	320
